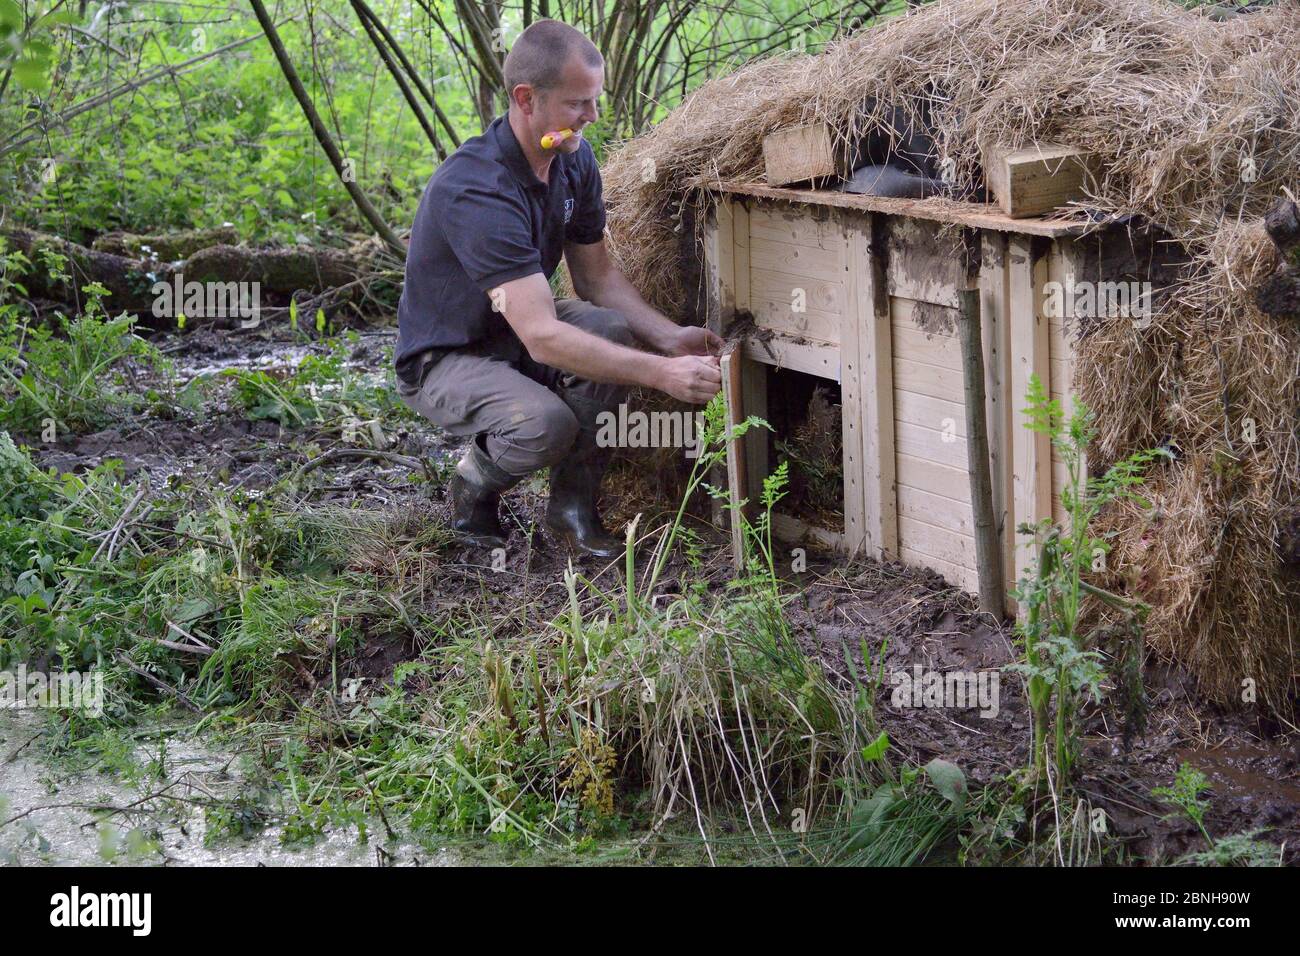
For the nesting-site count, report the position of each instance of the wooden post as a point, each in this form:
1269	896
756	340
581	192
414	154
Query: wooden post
737	484
1031	452
857	232
870	309
720	291
994	326
988	550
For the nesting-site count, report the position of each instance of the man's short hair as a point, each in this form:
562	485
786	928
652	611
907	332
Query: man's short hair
539	56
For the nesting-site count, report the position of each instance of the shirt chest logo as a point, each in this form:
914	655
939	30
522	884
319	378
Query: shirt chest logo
568	210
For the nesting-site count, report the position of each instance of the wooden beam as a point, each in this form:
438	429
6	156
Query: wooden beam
988	549
720	266
740	266
1037	180
719	293
973	215
1031	459
802	153
783	352
792	529
753	399
1068	262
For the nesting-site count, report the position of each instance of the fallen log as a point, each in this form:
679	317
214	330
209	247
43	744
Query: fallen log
166	247
284	270
128	280
131	280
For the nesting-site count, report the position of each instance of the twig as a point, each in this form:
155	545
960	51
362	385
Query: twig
158	683
415	464
121	522
176	646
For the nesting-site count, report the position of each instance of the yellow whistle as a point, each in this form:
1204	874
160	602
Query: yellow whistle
552	139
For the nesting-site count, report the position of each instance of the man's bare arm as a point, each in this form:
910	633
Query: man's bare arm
529	307
597	279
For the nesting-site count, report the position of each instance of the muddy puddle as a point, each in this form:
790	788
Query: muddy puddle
63	816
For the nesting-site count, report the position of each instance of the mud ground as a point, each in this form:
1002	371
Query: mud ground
1252	759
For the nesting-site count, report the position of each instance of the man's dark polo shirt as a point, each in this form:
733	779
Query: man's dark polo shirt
485	218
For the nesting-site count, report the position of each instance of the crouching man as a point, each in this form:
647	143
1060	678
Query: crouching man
485	350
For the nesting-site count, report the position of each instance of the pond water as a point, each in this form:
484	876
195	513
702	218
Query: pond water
69	818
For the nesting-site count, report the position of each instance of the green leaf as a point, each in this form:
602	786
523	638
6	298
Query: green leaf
30	75
948	780
876	749
868	817
192	609
11	15
56	18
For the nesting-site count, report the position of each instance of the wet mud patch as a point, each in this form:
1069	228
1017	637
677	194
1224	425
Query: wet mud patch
934	319
900	619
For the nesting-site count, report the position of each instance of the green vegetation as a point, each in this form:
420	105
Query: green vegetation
1185	794
73	378
1239	849
148	116
1061	663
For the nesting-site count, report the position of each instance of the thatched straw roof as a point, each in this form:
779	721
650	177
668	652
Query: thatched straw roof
1197	125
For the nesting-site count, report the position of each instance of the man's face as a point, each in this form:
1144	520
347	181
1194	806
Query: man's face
571	105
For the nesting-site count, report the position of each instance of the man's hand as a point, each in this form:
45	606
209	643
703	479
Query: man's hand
693	340
691	378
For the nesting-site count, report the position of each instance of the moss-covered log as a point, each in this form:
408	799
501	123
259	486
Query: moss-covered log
279	271
166	247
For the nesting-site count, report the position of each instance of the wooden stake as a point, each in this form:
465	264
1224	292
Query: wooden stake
737	484
988	550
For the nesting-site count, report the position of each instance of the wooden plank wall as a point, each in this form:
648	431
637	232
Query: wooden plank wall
881	293
936	526
796	260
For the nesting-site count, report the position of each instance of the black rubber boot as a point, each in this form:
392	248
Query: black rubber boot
475	494
571	514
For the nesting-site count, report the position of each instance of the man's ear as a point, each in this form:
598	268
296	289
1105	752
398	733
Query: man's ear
525	97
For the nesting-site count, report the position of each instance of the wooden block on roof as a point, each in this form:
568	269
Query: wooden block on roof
1038	179
802	153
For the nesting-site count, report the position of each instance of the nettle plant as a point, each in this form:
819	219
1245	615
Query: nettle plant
1061	664
73	374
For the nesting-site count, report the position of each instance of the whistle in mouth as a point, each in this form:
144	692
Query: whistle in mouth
554	138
